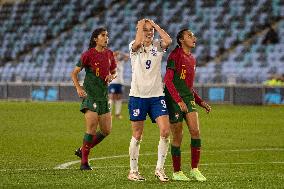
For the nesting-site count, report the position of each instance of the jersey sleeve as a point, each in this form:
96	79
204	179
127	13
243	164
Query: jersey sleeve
197	98
171	61
83	62
170	85
113	63
132	53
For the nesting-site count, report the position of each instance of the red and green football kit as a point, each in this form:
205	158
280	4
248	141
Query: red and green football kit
179	80
98	65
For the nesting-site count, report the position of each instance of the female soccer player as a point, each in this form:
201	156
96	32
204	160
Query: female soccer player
146	94
181	99
100	66
116	86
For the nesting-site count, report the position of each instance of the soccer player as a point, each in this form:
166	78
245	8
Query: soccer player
146	94
116	86
181	99
100	68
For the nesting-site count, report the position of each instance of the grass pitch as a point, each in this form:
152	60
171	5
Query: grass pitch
242	147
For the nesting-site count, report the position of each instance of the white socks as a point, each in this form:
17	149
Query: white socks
118	104
134	153
162	152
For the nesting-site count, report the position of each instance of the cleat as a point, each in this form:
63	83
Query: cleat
85	167
196	174
180	176
160	174
135	176
78	153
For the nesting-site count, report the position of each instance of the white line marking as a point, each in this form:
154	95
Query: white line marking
66	165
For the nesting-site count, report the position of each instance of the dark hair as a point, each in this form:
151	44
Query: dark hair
180	36
95	34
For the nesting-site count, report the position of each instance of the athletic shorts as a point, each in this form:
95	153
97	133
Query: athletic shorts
140	107
115	89
175	113
101	107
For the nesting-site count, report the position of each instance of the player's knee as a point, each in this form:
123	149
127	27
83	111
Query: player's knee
165	133
138	137
106	132
194	132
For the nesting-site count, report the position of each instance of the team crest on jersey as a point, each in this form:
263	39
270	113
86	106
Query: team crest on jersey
154	51
95	105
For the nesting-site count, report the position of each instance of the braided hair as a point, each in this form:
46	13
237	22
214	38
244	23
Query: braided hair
95	34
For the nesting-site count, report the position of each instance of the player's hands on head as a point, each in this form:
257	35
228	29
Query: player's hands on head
81	93
206	106
140	23
183	107
151	22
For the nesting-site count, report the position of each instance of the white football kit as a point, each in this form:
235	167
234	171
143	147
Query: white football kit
146	71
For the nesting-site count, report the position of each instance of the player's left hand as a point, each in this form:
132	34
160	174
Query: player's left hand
110	77
206	106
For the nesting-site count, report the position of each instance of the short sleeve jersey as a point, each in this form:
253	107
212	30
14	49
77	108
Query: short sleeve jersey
184	66
97	65
146	71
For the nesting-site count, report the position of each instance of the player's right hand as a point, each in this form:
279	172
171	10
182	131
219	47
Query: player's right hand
183	107
81	93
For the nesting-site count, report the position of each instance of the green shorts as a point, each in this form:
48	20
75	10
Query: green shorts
101	107
175	113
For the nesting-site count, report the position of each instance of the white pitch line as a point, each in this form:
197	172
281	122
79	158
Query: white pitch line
66	165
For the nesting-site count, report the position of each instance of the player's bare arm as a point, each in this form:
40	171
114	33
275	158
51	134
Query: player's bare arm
74	75
166	39
139	36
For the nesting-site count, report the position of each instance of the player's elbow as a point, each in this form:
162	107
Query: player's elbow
169	41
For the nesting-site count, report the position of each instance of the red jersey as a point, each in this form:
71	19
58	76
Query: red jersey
180	75
98	65
101	63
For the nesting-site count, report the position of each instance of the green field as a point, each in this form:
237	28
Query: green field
243	147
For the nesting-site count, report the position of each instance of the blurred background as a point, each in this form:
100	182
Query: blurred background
240	42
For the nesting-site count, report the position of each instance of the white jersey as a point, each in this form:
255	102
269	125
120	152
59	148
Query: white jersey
119	73
146	71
